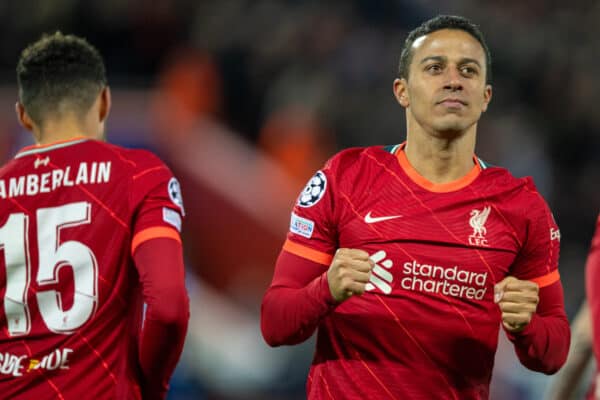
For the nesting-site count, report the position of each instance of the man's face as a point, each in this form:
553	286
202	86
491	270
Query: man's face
446	90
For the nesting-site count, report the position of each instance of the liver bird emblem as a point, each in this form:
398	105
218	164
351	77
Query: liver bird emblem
477	221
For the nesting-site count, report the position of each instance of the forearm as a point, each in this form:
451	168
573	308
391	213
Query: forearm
292	309
160	264
160	348
569	378
592	283
544	344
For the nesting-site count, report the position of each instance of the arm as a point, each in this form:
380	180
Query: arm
159	262
296	301
531	300
541	336
592	283
309	281
569	378
157	215
303	292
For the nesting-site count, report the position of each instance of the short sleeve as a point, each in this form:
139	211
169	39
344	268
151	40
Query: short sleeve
158	204
312	232
538	258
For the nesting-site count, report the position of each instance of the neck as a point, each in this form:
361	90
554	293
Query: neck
439	159
64	129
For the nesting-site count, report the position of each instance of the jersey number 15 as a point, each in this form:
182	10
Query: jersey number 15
52	256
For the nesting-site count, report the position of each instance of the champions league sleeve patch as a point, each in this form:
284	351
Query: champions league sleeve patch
174	191
313	191
302	226
172	217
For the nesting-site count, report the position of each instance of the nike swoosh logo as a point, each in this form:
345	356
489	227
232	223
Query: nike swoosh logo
371	220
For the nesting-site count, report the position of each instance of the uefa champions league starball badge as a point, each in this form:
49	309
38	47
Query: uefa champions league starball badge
174	190
313	191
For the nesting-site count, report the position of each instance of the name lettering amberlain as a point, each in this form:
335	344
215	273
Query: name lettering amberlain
32	184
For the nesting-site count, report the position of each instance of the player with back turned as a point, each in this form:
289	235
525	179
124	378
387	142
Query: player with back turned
409	258
89	233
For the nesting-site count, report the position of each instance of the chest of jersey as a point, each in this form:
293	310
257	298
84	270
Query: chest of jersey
457	244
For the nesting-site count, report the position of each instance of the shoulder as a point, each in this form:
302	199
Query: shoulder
136	160
500	179
141	157
344	158
351	161
4	169
519	193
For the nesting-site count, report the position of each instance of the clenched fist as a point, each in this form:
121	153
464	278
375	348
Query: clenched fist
348	274
517	300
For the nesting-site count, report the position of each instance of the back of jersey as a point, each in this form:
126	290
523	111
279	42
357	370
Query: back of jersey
71	299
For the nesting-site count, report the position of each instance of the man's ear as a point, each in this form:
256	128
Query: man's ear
487	97
24	118
105	104
401	92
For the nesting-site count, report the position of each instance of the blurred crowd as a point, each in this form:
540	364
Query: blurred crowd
246	99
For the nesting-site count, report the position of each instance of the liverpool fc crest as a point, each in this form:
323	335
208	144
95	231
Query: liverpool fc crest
477	222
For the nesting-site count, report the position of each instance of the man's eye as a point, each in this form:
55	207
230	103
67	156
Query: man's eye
468	70
434	68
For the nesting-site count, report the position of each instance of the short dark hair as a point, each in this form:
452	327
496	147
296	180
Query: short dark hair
438	23
59	69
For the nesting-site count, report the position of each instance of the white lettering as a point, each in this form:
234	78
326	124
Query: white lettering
57	176
16	186
44	188
11	364
67	181
65	358
462	276
52	360
452	281
451	273
480	279
454	289
82	176
429	286
93	172
32	185
104	172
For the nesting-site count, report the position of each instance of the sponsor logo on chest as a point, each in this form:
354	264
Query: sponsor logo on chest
452	281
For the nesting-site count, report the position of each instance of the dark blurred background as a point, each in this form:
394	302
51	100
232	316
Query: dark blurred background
246	99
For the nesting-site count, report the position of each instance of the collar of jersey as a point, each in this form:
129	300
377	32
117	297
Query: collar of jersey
40	148
436	187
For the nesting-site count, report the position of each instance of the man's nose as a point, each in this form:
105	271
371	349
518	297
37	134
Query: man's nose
453	79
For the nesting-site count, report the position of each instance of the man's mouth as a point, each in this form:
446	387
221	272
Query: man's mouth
453	102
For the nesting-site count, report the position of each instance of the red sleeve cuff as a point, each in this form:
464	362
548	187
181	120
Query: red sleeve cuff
153	233
326	295
307	253
547	280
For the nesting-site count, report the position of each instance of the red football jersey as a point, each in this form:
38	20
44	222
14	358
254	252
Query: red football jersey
72	214
592	283
427	326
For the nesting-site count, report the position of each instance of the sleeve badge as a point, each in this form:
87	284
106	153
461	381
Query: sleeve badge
313	191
